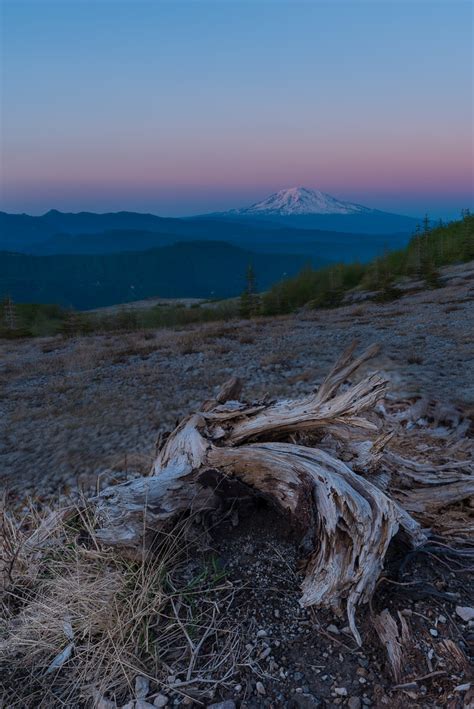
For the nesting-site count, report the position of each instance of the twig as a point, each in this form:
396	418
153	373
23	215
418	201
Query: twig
413	682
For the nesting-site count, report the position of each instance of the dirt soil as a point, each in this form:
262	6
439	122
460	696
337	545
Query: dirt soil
306	658
86	412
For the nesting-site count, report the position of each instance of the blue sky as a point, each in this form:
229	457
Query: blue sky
180	107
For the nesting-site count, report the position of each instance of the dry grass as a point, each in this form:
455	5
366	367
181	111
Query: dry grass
80	621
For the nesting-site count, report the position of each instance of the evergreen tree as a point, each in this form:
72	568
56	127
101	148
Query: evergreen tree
11	322
467	237
249	305
386	281
429	270
416	251
9	314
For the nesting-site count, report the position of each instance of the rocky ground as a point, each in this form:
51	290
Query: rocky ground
79	413
80	410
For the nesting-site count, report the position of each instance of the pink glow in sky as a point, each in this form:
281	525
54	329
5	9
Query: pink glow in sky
189	107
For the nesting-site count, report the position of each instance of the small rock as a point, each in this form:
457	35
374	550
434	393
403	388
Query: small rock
260	689
143	704
340	691
237	688
227	704
333	629
276	613
354	703
362	680
142	687
187	701
441	619
297	676
262	633
160	700
128	705
434	632
466	613
462	687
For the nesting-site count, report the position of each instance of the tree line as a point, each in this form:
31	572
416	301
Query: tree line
431	247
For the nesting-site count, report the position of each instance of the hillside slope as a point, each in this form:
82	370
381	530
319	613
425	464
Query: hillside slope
201	269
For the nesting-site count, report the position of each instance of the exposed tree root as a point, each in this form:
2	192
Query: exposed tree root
320	461
344	520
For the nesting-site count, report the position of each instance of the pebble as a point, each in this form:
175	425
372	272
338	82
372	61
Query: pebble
354	703
143	704
466	613
160	700
434	632
227	704
262	633
333	629
142	687
341	691
260	689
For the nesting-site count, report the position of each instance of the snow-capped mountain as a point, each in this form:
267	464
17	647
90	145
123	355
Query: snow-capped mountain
300	201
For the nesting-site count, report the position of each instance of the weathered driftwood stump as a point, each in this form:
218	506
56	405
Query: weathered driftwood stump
344	520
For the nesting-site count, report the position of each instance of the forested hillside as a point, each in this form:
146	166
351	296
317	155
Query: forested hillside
202	269
429	249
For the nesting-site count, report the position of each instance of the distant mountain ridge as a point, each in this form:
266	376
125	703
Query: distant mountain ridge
89	233
88	260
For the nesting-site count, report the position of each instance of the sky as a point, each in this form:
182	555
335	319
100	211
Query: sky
178	107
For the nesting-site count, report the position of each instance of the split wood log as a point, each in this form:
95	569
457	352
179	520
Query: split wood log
345	522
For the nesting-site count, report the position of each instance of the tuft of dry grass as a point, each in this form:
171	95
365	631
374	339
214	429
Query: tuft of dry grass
81	621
